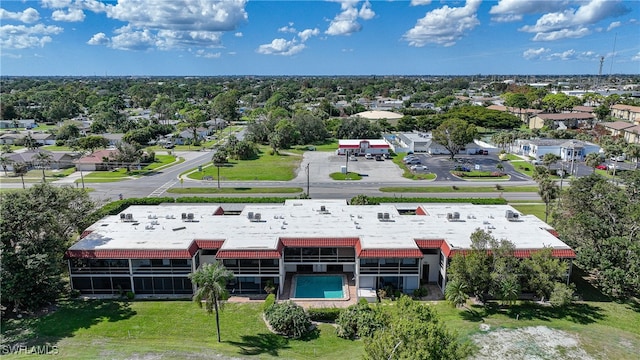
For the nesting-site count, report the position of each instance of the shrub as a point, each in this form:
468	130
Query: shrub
499	187
420	292
562	295
324	314
288	319
358	320
268	302
130	295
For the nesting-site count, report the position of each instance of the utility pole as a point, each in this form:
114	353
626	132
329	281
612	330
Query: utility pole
308	180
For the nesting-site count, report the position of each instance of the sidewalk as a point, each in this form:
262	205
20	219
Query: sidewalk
71	178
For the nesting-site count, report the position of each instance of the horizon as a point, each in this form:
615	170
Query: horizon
87	38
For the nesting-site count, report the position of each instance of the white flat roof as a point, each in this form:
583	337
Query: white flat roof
162	227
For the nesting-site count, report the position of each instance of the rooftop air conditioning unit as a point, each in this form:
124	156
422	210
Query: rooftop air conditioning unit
122	216
449	216
386	217
257	216
380	216
129	216
456	216
250	215
190	216
323	208
184	216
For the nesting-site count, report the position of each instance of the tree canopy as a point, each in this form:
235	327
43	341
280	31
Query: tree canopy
454	134
37	225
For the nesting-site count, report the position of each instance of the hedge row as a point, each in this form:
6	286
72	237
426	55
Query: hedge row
324	314
475	201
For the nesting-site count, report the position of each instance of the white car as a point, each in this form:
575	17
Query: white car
414	161
622	157
419	168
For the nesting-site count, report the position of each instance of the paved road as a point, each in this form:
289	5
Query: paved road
320	164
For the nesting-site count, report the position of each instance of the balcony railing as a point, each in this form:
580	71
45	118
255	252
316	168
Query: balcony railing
238	270
319	258
100	270
162	270
385	269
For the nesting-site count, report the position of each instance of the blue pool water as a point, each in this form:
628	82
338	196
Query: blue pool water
319	287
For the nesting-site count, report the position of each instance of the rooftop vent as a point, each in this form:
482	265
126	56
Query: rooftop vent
454	216
323	210
127	217
512	215
250	215
254	217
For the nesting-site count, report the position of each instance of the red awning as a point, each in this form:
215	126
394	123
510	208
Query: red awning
319	242
429	243
390	253
247	254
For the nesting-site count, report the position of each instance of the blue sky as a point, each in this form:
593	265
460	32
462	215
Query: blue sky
348	37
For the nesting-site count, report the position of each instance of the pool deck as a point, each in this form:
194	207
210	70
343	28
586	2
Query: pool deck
352	299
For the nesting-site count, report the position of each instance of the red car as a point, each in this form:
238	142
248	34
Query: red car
601	167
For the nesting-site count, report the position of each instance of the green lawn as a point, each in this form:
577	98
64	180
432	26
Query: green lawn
407	173
347	176
529	209
172	329
265	168
234	190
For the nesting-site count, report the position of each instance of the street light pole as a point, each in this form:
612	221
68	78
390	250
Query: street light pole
308	180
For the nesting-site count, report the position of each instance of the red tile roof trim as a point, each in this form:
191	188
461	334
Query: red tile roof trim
248	254
390	253
319	242
129	254
429	243
209	244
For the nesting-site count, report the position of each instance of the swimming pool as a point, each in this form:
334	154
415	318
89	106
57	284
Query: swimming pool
319	287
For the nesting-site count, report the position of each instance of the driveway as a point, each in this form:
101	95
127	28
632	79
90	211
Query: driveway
322	164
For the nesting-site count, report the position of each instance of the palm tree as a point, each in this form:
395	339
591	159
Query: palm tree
20	169
548	191
592	160
219	159
44	159
633	152
4	162
456	293
210	280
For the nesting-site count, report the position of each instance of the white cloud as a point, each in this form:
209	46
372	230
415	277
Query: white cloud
574	23
207	55
288	28
184	15
24	37
614	25
10	55
99	39
636	57
305	34
562	34
56	4
346	22
420	2
531	54
130	39
28	16
238	34
170	24
72	15
444	26
514	10
281	47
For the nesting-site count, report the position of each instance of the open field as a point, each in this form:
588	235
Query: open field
265	168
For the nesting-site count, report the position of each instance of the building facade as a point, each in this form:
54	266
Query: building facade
151	249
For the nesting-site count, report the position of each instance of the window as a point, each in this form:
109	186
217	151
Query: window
430	251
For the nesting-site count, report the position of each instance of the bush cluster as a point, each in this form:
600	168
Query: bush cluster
268	302
288	319
373	200
359	320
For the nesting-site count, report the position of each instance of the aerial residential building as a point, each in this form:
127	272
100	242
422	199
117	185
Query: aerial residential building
150	250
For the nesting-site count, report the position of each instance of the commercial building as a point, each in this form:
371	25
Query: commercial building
152	249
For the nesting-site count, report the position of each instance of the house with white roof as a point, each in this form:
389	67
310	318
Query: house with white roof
150	250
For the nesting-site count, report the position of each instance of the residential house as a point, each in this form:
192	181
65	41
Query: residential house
617	128
96	161
151	250
43	138
18	124
567	150
570	120
522	114
626	112
113	139
58	159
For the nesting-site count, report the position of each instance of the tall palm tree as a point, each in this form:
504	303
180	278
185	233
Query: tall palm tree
219	159
548	191
20	169
211	280
4	162
456	293
43	159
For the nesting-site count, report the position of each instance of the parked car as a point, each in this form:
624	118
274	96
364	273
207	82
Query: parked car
379	158
353	158
368	156
419	168
462	168
387	156
409	157
622	157
413	161
601	167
